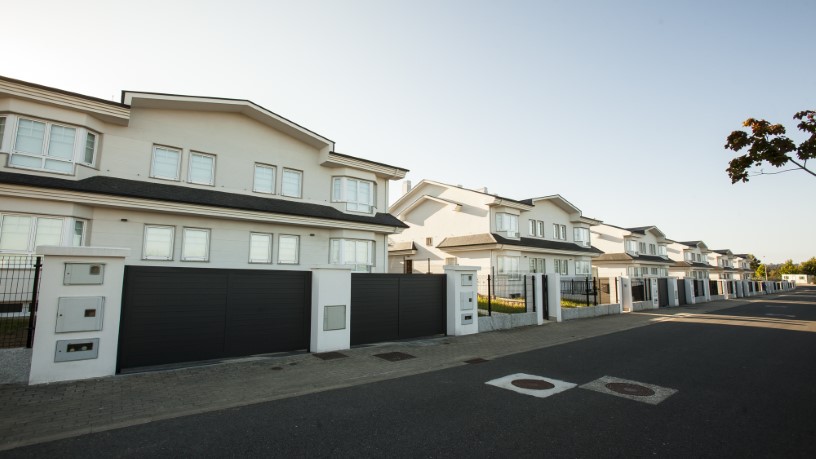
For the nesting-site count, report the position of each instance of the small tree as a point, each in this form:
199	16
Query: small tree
753	262
788	267
808	267
767	143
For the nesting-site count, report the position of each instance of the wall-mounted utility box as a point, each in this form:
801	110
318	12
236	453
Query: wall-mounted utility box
467	318
467	300
467	280
80	313
84	274
76	349
334	317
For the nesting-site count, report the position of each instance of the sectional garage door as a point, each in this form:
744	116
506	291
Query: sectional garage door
386	307
172	315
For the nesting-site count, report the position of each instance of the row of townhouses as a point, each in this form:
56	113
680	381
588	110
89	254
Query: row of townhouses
449	225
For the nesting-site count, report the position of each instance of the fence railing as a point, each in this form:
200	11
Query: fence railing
505	294
641	290
19	285
715	287
580	291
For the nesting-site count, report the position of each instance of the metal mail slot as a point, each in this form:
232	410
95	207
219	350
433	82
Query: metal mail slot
76	349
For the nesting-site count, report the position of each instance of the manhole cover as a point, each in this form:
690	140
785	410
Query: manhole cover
476	360
394	356
534	384
630	389
330	355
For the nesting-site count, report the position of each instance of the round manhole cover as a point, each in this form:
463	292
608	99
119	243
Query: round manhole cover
630	389
534	384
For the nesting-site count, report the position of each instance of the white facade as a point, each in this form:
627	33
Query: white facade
800	279
689	260
451	225
631	252
185	181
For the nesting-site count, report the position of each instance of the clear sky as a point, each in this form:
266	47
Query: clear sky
622	107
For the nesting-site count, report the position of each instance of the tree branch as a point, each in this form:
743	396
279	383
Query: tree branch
801	166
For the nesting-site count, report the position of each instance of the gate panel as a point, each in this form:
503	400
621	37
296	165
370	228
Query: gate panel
420	313
374	308
662	292
681	291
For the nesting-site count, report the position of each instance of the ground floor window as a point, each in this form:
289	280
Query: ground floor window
561	267
509	266
260	248
23	233
158	242
288	249
356	252
195	244
538	265
583	268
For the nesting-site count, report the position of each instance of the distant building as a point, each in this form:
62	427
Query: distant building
800	278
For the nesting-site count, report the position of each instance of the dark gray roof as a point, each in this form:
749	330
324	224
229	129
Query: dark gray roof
188	195
639	229
622	256
691	264
488	238
690	243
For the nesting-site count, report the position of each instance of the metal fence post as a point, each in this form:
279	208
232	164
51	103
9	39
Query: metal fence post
33	307
489	296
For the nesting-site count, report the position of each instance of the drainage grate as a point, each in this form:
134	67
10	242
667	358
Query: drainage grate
477	360
395	356
330	355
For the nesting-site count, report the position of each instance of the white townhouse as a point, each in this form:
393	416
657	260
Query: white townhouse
742	264
185	181
689	260
632	252
724	265
450	224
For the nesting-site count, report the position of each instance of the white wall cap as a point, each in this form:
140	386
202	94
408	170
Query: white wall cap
334	267
461	268
59	251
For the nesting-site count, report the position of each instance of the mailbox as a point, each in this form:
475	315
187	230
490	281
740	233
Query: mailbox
334	317
76	349
84	274
466	299
467	318
467	280
81	313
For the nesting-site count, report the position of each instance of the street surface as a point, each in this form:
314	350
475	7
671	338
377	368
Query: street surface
741	382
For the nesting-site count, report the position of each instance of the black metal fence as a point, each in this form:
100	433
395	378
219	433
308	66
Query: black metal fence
641	290
579	291
19	286
714	287
505	294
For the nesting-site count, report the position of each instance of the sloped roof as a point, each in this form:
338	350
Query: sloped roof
488	238
188	195
399	246
623	256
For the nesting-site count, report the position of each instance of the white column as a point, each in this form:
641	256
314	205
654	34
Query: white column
655	291
707	289
538	285
331	308
626	294
554	296
689	284
80	305
674	300
462	307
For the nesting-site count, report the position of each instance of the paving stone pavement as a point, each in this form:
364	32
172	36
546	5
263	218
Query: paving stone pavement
35	414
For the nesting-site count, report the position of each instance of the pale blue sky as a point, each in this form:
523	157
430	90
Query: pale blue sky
622	107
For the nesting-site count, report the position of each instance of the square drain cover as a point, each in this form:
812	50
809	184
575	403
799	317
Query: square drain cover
395	356
330	355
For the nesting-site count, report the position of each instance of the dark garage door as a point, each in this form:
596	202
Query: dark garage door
662	292
387	307
172	315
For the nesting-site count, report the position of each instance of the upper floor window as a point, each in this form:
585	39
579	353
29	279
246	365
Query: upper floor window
642	247
264	179
292	183
661	250
652	249
23	233
202	169
49	146
357	194
581	236
536	228
358	253
166	163
699	257
507	222
632	246
559	231
288	249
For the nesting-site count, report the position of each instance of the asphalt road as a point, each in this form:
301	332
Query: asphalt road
745	380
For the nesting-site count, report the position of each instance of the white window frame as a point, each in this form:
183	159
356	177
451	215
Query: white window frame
559	232
583	268
66	236
172	242
184	256
340	194
561	266
255	178
153	163
299	173
507	222
270	240
642	247
531	227
508	266
662	250
538	265
287	237
3	123
338	254
78	148
578	236
632	246
193	155
652	249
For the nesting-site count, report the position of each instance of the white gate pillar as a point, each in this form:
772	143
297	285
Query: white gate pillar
462	316
626	294
674	299
331	308
554	296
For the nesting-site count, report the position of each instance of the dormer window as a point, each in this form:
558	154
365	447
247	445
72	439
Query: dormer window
357	194
632	247
581	236
507	223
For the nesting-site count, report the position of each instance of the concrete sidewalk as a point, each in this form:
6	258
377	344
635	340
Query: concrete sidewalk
36	414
